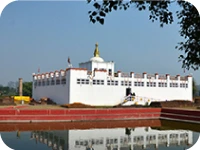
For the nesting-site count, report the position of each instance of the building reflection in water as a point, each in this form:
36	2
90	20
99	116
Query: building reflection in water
58	140
113	139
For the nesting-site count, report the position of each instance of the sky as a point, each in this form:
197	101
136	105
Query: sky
44	34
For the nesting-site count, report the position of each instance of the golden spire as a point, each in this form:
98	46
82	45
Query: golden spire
96	51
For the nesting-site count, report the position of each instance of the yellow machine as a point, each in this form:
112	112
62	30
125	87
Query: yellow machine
24	98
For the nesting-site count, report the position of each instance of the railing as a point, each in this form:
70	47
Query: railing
183	78
139	100
137	75
173	78
150	76
125	75
162	77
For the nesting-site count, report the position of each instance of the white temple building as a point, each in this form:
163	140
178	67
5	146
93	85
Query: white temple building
95	82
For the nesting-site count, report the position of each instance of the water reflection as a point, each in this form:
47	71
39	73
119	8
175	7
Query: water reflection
114	139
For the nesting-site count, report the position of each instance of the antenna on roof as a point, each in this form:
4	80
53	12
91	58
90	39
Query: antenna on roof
69	63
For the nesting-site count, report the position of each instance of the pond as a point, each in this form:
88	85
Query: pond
162	135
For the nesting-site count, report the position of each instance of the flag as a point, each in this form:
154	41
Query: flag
69	60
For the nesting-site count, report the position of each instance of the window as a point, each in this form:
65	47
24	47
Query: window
151	84
126	83
87	81
173	84
98	82
135	83
138	83
47	81
183	85
63	81
39	83
162	84
52	82
57	81
94	82
112	82
78	81
102	82
82	81
43	82
35	83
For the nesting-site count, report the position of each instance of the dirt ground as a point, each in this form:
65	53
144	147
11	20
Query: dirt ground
172	104
26	106
43	107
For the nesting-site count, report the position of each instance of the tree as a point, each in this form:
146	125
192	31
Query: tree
11	84
189	21
7	91
27	89
194	88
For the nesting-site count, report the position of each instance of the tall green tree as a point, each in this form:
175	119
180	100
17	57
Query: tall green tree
188	19
27	89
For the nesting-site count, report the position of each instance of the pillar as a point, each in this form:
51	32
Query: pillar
20	87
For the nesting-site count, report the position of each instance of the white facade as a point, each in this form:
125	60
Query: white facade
115	139
96	83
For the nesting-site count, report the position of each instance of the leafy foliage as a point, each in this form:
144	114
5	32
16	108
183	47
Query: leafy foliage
194	88
190	30
188	16
7	91
27	89
12	91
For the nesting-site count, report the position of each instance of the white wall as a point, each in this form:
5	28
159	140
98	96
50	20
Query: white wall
103	65
109	94
112	95
90	65
58	93
94	94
